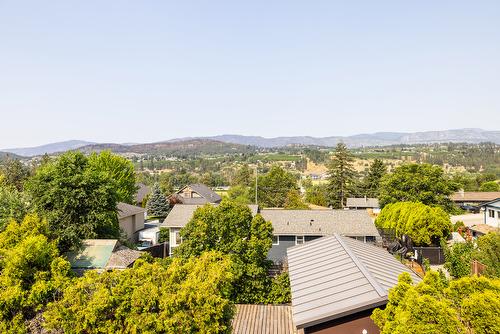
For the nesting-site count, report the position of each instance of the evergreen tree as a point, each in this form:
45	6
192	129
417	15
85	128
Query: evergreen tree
372	180
341	176
157	205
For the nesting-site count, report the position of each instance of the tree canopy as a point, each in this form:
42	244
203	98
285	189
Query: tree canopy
418	183
293	201
373	178
425	225
490	186
274	186
341	176
184	297
118	169
230	229
466	305
158	205
78	200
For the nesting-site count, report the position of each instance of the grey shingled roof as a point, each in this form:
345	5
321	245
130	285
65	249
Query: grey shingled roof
122	257
362	202
336	276
207	194
142	191
181	214
320	222
127	210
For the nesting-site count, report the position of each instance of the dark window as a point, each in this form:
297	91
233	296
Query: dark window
491	213
370	239
276	240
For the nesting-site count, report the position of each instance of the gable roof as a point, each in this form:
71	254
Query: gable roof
336	276
492	203
320	222
263	319
181	214
142	191
475	196
362	202
127	210
207	194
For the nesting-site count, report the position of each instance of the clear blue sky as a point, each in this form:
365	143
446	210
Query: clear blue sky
142	71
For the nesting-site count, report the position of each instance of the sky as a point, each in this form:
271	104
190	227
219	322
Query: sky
145	71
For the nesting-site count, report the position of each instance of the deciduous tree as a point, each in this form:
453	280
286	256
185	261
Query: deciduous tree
274	186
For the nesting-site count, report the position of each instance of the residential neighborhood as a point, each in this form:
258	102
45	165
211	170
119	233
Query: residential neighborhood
249	167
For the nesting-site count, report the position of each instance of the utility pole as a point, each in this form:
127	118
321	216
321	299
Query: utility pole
256	183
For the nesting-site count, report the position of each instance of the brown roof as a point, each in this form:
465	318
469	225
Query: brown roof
475	196
484	228
263	319
122	257
127	210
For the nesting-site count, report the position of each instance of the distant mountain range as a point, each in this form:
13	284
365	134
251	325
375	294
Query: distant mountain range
218	144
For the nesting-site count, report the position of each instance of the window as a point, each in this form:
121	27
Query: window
299	239
276	240
177	237
498	214
491	213
370	239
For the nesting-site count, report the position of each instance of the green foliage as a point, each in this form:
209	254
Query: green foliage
185	297
341	176
78	200
274	186
458	225
280	292
423	224
13	204
14	174
466	305
458	259
157	205
230	229
241	194
418	183
317	195
490	186
244	177
293	201
118	169
372	180
32	273
164	234
488	253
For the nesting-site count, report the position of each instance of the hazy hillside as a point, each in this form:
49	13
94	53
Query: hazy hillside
48	148
190	146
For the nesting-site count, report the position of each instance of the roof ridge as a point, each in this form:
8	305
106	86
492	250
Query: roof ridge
376	285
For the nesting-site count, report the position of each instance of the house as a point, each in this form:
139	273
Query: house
362	203
336	283
142	192
263	319
179	216
473	198
196	194
131	220
492	212
482	229
295	227
101	255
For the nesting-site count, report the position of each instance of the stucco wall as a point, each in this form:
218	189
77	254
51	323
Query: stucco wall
354	324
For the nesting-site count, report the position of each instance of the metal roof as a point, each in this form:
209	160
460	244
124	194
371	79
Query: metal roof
362	202
181	214
94	254
320	222
127	210
263	319
336	276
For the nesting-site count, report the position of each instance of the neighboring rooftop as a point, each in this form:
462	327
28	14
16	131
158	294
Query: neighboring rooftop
362	202
320	222
206	194
484	229
142	191
263	319
181	214
127	210
336	276
475	196
102	254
